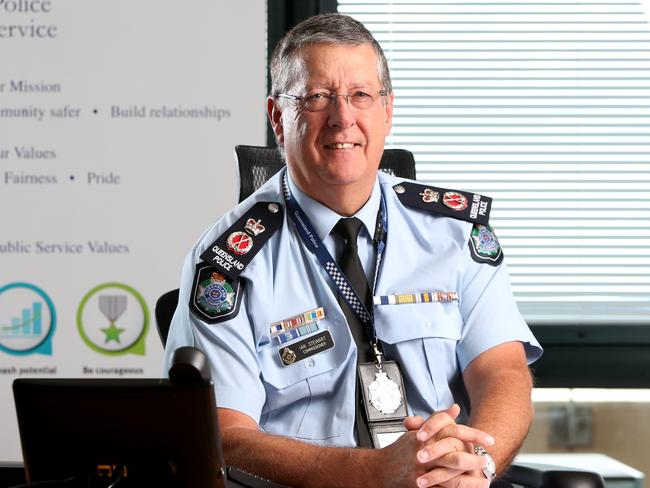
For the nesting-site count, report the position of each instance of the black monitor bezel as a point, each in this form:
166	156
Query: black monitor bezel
70	426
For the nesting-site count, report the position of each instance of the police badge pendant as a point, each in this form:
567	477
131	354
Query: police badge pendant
383	399
384	393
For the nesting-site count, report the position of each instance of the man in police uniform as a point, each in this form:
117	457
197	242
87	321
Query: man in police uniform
302	364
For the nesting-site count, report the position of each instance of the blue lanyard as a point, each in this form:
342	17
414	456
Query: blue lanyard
315	245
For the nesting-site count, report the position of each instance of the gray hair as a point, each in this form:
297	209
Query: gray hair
336	29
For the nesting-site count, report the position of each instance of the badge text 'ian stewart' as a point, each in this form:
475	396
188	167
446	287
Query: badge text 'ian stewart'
225	260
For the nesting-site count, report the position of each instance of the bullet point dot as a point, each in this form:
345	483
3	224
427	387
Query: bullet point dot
95	111
71	177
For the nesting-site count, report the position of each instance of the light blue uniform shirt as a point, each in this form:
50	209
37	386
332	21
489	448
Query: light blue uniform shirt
313	399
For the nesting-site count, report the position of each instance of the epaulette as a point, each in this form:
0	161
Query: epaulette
238	245
470	207
216	290
461	205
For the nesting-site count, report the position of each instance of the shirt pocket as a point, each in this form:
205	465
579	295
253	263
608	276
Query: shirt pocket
423	338
300	398
286	385
399	323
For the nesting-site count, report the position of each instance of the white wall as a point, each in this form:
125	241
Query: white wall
132	176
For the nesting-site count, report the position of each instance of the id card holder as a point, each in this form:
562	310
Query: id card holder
384	400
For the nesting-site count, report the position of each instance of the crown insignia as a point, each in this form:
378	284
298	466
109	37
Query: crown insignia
429	196
254	227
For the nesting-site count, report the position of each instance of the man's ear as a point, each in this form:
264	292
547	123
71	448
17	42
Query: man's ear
389	112
274	112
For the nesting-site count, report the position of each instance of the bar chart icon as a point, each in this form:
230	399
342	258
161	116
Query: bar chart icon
27	319
28	324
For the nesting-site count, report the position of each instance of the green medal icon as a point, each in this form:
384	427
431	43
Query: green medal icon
113	319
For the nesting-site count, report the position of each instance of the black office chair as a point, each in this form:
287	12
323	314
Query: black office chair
164	311
257	164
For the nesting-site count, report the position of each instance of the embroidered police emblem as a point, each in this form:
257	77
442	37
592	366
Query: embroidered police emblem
484	246
214	297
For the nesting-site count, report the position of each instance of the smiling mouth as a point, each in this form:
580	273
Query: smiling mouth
342	145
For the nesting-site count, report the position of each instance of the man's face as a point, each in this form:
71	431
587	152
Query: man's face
340	147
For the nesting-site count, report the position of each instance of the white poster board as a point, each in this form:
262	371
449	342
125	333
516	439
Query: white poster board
117	127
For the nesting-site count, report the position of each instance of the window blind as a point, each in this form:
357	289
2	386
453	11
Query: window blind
544	106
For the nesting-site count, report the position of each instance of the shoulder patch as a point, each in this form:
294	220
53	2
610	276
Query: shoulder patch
484	246
470	207
214	297
238	245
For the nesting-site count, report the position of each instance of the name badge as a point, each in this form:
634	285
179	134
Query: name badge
309	346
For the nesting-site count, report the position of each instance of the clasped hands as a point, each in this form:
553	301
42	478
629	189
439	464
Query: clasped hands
437	452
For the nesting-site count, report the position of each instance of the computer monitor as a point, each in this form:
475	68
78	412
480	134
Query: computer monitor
139	432
127	433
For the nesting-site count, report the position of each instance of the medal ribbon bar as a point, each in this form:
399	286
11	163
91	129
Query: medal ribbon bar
408	298
286	325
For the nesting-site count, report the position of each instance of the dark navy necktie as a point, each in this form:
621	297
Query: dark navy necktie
349	262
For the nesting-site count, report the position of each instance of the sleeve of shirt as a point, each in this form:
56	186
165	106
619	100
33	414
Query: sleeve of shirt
228	345
489	312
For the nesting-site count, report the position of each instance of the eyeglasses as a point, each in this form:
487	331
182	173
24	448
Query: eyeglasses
320	101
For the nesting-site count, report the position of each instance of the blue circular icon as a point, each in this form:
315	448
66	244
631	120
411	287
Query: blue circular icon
27	319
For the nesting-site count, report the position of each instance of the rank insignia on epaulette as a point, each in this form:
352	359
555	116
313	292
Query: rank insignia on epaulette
461	205
238	245
484	246
454	200
215	297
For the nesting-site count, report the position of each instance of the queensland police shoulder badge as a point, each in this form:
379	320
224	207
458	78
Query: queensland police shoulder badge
238	245
461	205
215	297
484	246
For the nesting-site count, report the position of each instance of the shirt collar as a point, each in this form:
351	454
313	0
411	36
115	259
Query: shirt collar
323	219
